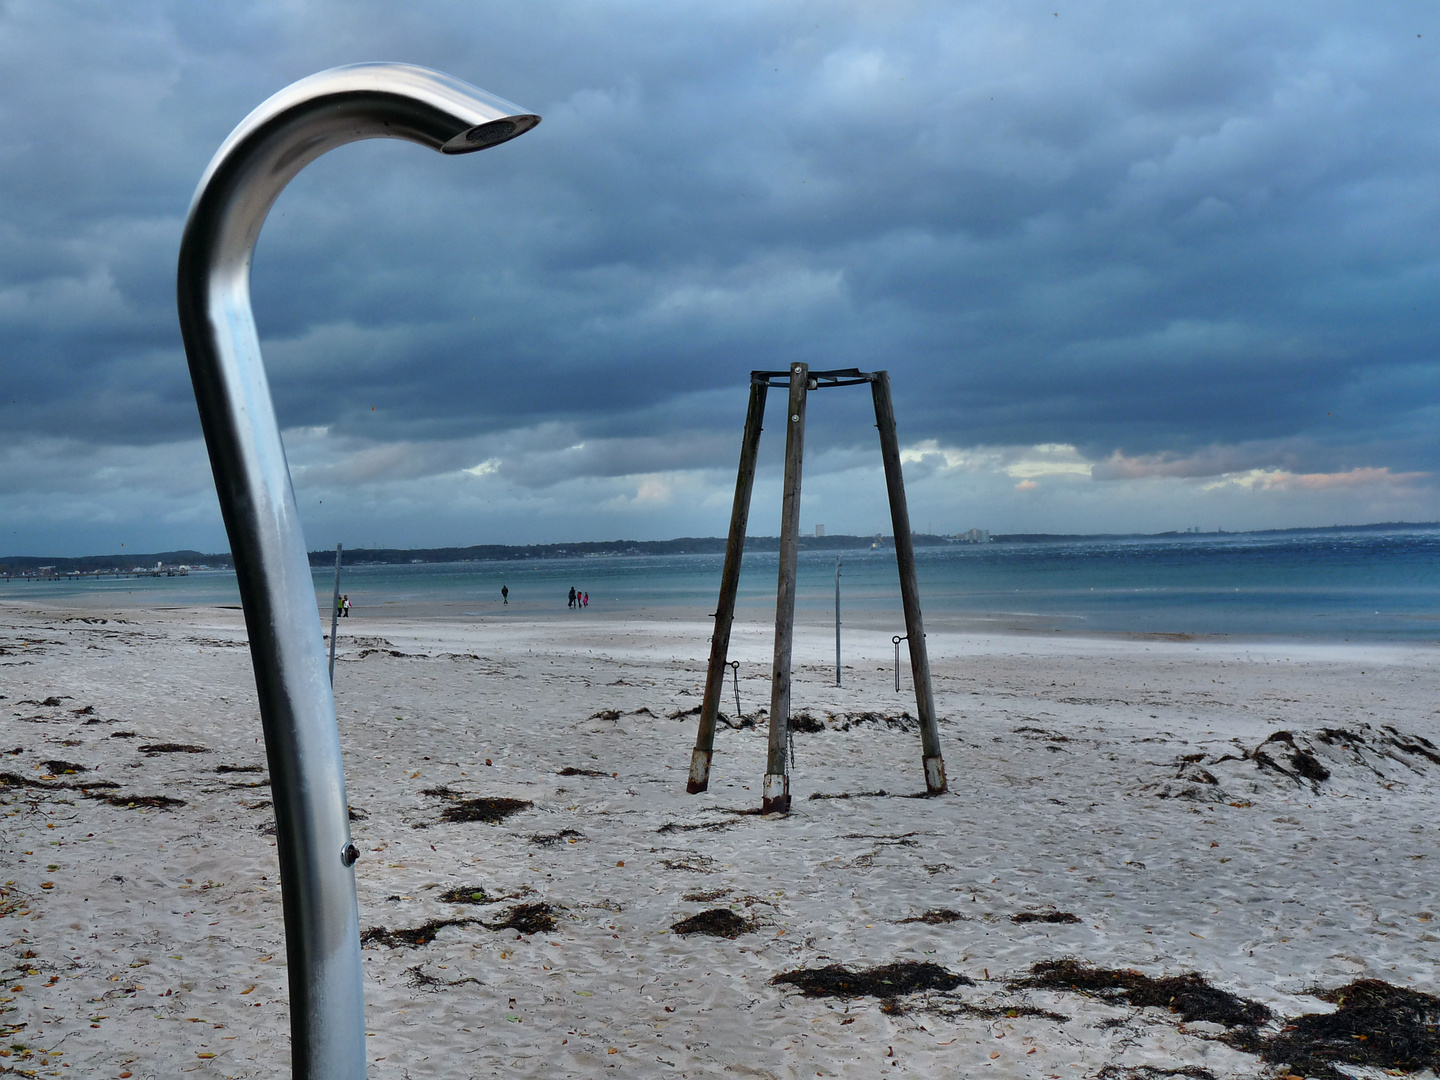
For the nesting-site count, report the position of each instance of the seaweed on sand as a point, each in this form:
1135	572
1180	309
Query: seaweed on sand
1375	1024
151	749
936	917
526	919
427	983
717	922
550	839
806	724
93	789
885	981
955	1010
155	802
410	938
1058	917
490	811
570	770
1189	994
465	894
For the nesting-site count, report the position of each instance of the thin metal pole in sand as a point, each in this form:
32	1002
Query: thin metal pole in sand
909	584
837	620
334	614
729	585
776	790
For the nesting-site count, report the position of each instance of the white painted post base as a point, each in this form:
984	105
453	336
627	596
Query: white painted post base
935	775
699	772
775	797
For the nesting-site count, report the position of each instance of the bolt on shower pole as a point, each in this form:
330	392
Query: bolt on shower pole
729	585
252	480
775	796
334	614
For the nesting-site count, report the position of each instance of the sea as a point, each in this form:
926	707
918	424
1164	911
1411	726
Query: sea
1368	586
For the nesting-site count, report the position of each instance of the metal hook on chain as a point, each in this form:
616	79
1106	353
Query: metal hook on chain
735	671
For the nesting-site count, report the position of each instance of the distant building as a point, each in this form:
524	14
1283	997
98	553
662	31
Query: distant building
973	536
819	530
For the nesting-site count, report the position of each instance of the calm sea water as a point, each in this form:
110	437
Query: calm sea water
1356	586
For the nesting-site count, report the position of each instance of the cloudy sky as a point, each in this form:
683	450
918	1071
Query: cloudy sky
1131	267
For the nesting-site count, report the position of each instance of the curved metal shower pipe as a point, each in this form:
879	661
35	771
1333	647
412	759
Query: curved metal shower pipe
252	479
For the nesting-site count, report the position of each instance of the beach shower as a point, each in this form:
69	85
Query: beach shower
252	480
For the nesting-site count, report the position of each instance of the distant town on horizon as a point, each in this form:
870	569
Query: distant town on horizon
170	562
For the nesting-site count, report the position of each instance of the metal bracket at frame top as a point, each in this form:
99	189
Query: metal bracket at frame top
818	379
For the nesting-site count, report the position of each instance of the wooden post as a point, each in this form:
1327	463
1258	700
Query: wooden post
909	585
776	789
729	585
334	614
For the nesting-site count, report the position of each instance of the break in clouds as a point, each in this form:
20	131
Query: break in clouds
1130	269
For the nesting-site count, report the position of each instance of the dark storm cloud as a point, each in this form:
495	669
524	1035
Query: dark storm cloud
1144	231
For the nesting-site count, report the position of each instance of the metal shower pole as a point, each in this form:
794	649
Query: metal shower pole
252	480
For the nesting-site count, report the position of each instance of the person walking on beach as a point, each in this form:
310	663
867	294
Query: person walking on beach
572	597
345	606
584	599
505	593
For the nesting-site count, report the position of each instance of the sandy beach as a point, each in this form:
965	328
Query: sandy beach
1122	803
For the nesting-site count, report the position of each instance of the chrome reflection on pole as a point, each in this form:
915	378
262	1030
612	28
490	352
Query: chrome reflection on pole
252	480
334	616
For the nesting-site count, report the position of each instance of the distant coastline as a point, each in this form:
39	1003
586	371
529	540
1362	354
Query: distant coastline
30	565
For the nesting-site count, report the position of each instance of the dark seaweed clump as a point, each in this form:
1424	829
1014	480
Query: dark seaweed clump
465	894
937	917
527	919
570	770
412	937
1058	917
1376	1024
551	839
806	724
490	811
1189	995
151	749
92	790
717	922
155	802
886	981
64	767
